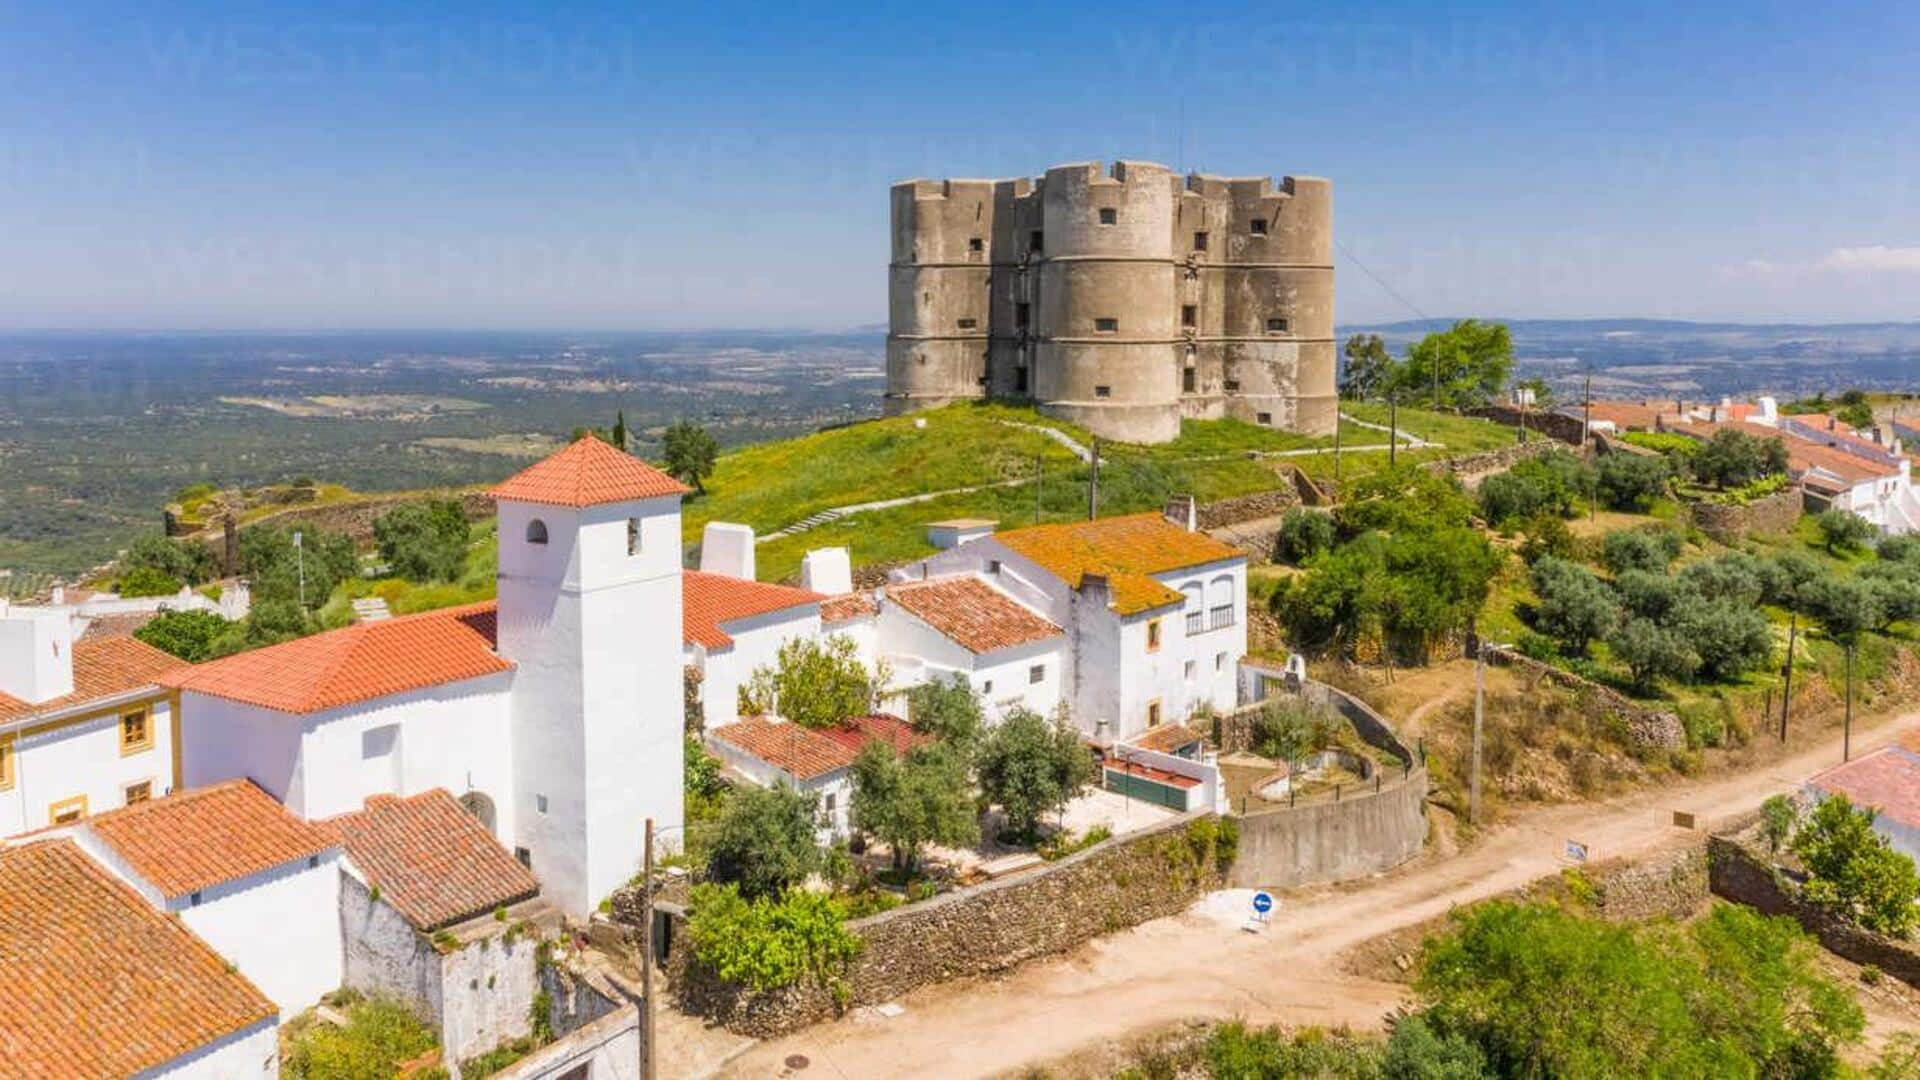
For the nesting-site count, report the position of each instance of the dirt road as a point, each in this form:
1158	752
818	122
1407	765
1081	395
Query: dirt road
1189	965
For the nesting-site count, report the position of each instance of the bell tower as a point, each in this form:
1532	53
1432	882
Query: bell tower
589	613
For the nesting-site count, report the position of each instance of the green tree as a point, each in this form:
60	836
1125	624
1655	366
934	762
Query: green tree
146	581
1369	370
1030	766
189	635
1777	815
1729	637
690	453
1896	592
764	841
270	621
948	709
188	560
911	801
1731	458
1842	531
815	684
1547	535
1463	366
771	942
274	566
1631	481
1303	534
1404	498
423	541
1574	607
1652	550
1733	576
1652	651
1847	607
1853	871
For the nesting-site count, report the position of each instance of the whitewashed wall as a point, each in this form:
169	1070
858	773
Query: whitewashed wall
281	928
251	1052
756	643
56	763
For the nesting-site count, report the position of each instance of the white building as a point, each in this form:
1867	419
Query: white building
1154	612
734	625
99	982
771	752
84	724
554	715
1009	654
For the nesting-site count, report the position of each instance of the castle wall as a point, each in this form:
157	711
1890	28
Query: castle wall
1122	299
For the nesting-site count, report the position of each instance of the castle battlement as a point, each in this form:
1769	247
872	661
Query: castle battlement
1122	296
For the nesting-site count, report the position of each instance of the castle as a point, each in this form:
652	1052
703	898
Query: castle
1121	299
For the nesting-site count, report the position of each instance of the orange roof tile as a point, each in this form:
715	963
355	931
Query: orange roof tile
1128	550
1167	738
355	663
94	982
588	472
102	668
192	840
856	732
1802	454
1888	780
431	859
794	750
708	600
853	605
972	614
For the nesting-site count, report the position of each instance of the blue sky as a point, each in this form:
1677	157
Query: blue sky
718	165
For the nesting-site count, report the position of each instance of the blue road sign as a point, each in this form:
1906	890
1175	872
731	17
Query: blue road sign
1262	902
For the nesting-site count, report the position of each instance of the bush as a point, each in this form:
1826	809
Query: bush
1573	606
1546	485
146	581
187	560
1639	549
1030	767
1631	481
768	943
1777	815
1288	729
1303	534
189	635
1548	535
379	1035
1842	531
423	541
765	840
1853	871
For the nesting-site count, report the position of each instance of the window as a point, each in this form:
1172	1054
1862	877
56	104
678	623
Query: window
1276	325
986	687
1265	419
830	803
633	536
1022	315
525	857
136	732
1109	216
1153	714
6	762
1231	385
1037	673
1219	661
194	900
974	243
1106	326
313	862
140	792
993	566
1036	240
1153	635
379	742
540	803
1199	241
1258	226
1103	391
536	531
968	324
1190	669
67	811
1189	314
1019	380
1188	380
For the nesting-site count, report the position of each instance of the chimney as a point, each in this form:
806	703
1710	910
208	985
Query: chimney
726	548
1095	589
1182	511
828	571
36	655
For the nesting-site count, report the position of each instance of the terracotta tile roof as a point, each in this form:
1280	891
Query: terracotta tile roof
1167	738
972	613
431	859
1803	455
99	626
856	732
794	750
95	982
102	668
1888	779
853	605
1128	550
1148	772
355	663
587	472
708	600
192	840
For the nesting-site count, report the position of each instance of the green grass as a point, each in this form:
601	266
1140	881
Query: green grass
379	1036
1461	434
476	582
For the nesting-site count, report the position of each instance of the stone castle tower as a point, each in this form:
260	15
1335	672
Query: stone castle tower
1121	299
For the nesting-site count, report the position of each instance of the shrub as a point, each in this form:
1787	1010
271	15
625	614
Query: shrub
1777	815
1631	481
1841	531
769	943
1548	535
146	581
1030	767
423	541
378	1036
187	560
1303	534
1288	729
1852	870
1639	549
764	842
189	635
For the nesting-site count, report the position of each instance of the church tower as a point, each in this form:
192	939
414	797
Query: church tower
589	613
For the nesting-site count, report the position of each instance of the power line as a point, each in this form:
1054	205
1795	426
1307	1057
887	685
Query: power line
1378	280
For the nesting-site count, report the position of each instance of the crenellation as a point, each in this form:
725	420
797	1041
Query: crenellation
1123	297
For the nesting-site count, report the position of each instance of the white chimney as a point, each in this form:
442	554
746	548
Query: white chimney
828	571
726	548
36	655
1182	511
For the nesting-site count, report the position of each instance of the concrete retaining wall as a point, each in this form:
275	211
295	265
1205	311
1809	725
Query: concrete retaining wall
1315	842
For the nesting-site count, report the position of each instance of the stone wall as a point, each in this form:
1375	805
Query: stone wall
1742	872
978	930
1670	885
1641	727
1469	466
1776	513
1261	504
1554	425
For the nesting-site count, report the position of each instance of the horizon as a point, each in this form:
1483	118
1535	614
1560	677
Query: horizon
520	169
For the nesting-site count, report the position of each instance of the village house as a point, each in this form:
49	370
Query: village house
1008	653
773	752
1887	781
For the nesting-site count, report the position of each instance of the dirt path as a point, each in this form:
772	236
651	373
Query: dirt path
1190	965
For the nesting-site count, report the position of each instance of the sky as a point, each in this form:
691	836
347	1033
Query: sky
711	165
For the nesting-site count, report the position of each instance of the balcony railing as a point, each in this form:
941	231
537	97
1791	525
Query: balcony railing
1196	622
1220	616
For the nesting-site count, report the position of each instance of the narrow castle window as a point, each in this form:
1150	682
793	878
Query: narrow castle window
1265	419
1189	314
536	531
1106	326
1103	391
1022	315
1035	240
1109	216
1276	325
1230	385
1259	226
968	324
976	244
1187	380
1019	380
1199	241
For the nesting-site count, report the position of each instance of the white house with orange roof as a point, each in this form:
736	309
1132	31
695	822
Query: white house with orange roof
733	625
85	725
553	714
958	624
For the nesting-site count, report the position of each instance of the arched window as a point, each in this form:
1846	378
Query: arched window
1194	608
1220	602
536	531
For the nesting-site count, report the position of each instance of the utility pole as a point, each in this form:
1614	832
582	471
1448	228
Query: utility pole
300	560
1336	439
1586	447
1479	720
1039	484
1393	430
1846	733
1786	689
1093	481
646	960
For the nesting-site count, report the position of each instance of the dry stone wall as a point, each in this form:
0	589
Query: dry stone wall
1776	513
1740	871
1643	728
